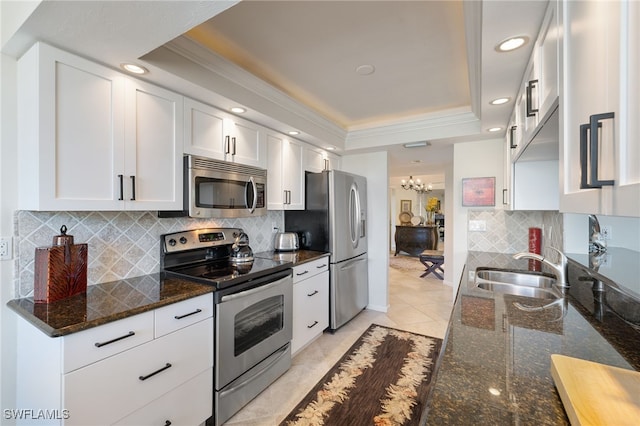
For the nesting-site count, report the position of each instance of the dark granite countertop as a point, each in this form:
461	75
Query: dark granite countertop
104	303
296	257
495	366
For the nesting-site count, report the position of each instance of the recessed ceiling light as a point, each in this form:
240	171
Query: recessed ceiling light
293	132
512	43
500	101
330	148
133	68
494	129
416	144
238	110
366	69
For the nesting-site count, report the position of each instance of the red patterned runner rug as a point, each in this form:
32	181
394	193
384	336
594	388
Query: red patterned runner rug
383	379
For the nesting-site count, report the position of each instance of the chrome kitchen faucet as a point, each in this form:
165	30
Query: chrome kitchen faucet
560	269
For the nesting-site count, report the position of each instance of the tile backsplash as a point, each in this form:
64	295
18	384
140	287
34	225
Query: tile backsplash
121	244
508	231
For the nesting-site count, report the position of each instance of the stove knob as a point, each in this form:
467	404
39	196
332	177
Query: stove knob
183	240
172	242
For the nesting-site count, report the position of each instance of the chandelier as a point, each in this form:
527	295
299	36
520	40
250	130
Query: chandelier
416	185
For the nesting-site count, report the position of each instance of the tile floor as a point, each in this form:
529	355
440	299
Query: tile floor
421	305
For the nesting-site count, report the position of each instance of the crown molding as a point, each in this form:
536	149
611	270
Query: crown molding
473	29
201	55
445	124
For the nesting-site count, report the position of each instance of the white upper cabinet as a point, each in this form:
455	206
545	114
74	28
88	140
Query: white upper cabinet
314	159
531	146
91	138
600	154
204	130
212	133
548	48
247	143
153	148
538	95
285	173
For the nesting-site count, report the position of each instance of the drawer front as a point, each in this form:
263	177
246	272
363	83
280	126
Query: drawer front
310	269
310	310
88	346
188	404
179	315
111	389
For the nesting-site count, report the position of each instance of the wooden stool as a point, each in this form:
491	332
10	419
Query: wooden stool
433	260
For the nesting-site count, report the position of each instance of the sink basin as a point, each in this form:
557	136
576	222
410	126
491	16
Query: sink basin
517	283
518	290
517	278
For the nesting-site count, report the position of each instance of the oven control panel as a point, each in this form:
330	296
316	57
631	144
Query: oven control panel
198	239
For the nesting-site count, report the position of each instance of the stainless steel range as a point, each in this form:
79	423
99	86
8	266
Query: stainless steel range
253	310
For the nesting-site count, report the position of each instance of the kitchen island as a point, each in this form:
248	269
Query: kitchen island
495	365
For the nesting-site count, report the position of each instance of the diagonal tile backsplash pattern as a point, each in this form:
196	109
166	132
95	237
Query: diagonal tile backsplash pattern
121	244
508	231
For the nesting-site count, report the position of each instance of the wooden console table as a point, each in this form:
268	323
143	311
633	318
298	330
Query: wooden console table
416	239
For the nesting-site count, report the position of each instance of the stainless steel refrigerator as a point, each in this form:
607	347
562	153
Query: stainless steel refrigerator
335	221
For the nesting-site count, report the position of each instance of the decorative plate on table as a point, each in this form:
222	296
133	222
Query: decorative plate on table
416	220
405	217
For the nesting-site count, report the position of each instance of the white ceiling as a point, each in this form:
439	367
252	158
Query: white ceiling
293	63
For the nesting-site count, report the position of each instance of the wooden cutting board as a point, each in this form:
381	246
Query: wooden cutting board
597	394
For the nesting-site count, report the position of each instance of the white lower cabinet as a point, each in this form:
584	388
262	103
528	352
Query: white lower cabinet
310	302
196	394
125	382
133	371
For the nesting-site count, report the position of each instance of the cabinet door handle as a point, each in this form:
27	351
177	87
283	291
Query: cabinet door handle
133	188
313	325
321	266
227	146
101	344
233	140
530	110
121	179
584	156
512	137
313	294
197	311
326	164
160	370
302	273
594	125
504	197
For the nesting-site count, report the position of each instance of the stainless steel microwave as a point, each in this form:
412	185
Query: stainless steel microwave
219	189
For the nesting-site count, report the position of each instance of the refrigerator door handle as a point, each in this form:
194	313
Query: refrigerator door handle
354	215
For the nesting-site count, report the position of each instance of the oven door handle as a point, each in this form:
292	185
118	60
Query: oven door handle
252	291
235	386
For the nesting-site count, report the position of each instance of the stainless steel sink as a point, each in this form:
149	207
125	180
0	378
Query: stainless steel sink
513	277
518	290
517	283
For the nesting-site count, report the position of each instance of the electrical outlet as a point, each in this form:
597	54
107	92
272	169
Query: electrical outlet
606	232
6	248
477	225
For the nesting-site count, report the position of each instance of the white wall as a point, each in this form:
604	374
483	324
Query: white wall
374	167
8	203
470	159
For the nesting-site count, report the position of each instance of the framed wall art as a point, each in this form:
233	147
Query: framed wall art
405	205
479	192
